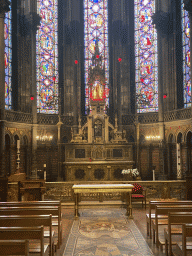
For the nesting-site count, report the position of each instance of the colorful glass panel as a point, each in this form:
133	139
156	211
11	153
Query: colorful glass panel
96	26
8	58
47	57
186	57
146	68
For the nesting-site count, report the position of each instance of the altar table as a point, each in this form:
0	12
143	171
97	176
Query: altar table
104	188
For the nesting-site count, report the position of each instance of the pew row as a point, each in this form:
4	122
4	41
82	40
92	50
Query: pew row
14	247
164	210
184	248
152	204
175	218
31	221
30	233
37	210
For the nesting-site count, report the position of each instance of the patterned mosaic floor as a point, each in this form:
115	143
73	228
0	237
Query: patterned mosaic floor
105	232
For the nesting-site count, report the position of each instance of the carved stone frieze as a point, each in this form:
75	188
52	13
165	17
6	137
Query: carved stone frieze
154	190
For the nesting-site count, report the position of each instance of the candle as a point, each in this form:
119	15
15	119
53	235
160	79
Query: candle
18	143
44	165
45	175
153	175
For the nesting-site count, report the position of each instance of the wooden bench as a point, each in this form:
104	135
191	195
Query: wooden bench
152	204
14	247
32	203
14	233
164	210
31	221
37	210
175	218
185	247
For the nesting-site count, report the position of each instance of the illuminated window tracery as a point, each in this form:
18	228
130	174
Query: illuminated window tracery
186	57
96	28
47	57
8	58
146	68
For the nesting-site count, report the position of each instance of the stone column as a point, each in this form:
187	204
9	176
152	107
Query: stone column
34	21
4	7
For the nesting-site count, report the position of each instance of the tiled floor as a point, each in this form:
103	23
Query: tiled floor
139	220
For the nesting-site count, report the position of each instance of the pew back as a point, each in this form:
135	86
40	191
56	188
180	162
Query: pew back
14	247
12	233
29	221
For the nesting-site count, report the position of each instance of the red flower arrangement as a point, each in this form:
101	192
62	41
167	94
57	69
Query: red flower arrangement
138	189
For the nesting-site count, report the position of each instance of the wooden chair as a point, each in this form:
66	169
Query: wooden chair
138	194
14	247
185	247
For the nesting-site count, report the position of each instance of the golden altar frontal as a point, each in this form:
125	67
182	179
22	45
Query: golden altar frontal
104	188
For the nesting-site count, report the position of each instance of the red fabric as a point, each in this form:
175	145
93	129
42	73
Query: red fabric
137	196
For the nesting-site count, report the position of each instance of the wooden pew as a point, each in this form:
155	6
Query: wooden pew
36	203
31	221
14	247
175	218
14	233
152	204
164	210
184	247
36	210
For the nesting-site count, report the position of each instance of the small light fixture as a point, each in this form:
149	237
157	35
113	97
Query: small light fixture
152	137
165	96
76	61
119	59
31	97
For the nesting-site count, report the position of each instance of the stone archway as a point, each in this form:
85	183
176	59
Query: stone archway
189	151
172	161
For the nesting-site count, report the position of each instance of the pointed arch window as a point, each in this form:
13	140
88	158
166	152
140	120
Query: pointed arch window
8	58
146	58
186	56
47	57
96	28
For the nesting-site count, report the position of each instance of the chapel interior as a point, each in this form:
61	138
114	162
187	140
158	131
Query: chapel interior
97	93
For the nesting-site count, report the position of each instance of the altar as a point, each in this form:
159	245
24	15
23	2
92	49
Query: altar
104	188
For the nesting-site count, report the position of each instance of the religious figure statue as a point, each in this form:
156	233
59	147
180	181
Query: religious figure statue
97	91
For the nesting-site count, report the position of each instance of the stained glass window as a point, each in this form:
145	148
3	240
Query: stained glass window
47	57
186	57
96	28
146	68
8	58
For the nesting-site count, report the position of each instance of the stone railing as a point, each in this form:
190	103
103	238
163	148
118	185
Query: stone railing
20	117
145	118
177	115
154	190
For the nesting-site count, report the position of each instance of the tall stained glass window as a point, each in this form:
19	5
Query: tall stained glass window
8	58
146	69
186	57
47	57
96	28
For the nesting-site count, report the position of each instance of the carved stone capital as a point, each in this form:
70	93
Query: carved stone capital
29	23
163	22
188	6
4	6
